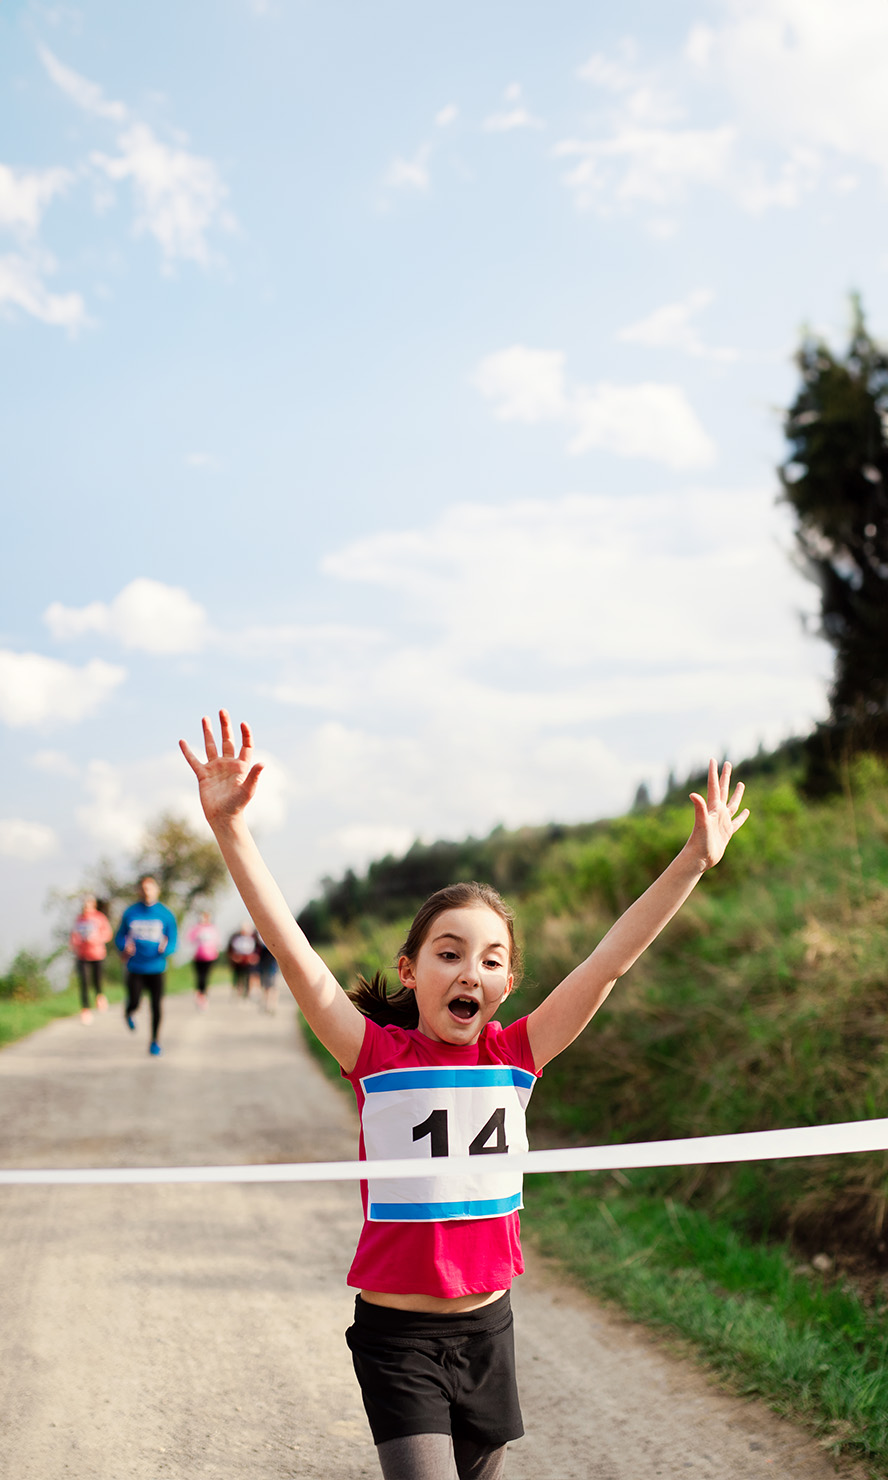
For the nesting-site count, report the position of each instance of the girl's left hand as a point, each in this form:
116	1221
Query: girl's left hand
716	820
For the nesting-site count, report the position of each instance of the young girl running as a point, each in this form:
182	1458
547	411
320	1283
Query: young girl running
436	1075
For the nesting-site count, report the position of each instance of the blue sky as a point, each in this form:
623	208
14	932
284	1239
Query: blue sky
408	379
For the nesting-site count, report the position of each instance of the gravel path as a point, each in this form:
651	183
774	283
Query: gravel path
196	1332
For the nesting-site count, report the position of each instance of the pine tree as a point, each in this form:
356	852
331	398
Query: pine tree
836	480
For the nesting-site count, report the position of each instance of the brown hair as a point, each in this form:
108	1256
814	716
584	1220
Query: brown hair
398	1007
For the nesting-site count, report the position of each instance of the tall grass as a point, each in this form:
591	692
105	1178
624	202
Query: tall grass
810	1347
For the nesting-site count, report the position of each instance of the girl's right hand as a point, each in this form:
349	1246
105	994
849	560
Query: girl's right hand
227	781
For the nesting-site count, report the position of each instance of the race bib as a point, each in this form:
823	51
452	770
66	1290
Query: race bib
430	1114
147	933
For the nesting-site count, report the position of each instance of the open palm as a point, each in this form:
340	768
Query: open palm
716	819
227	779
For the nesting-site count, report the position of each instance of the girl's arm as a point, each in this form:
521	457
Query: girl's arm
567	1010
227	782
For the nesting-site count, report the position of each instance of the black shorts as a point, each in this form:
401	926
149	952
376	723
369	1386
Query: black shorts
437	1374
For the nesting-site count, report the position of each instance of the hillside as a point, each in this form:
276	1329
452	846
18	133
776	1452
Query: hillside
764	1003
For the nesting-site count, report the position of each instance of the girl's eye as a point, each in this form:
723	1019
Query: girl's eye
447	955
494	965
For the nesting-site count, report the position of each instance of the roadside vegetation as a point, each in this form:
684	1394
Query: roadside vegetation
28	1001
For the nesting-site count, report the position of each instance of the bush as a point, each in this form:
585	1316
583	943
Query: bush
26	979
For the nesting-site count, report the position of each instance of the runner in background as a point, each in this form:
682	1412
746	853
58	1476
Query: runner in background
89	939
146	938
268	974
205	938
243	955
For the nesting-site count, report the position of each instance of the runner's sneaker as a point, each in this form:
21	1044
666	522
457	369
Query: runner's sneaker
130	1022
155	1049
85	1015
102	1002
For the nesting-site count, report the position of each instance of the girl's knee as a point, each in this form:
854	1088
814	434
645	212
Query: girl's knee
418	1457
478	1461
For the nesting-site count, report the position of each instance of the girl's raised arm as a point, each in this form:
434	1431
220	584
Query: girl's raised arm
227	781
566	1011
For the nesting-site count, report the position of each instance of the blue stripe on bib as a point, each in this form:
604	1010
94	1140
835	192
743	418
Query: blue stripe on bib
488	1207
447	1078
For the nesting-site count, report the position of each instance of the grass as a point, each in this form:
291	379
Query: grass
20	1018
808	1345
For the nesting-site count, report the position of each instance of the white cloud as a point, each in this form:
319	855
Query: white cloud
146	614
203	460
27	841
22	287
618	581
80	90
698	47
53	762
446	115
646	420
804	71
801	93
409	174
655	166
516	116
361	842
35	690
526	384
615	76
179	196
672	327
25	195
121	800
570	646
641	98
542	657
112	816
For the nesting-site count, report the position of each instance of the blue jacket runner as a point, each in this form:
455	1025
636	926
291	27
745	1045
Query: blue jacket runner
146	925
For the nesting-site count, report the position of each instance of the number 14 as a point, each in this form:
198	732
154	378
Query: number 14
435	1127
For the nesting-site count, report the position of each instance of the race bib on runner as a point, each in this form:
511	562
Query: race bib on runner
430	1114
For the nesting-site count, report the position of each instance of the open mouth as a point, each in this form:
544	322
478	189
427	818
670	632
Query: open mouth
464	1008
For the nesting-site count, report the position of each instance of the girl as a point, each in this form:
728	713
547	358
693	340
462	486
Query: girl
435	1074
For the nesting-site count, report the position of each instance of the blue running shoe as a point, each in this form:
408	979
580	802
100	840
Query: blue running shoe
155	1049
130	1022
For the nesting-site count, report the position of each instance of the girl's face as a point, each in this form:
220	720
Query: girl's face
460	974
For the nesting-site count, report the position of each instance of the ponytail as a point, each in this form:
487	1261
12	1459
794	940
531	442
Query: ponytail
382	1006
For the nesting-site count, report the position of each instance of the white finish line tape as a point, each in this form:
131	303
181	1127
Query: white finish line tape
819	1140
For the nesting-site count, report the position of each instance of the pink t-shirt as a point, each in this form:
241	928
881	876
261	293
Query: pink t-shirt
89	936
457	1256
205	939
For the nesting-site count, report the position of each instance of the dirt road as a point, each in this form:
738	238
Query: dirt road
196	1332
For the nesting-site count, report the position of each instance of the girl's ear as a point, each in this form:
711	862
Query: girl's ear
509	985
406	972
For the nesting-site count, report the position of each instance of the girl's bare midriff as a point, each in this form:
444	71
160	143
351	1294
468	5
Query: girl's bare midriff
433	1305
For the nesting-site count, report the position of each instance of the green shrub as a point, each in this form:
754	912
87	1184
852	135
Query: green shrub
26	980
